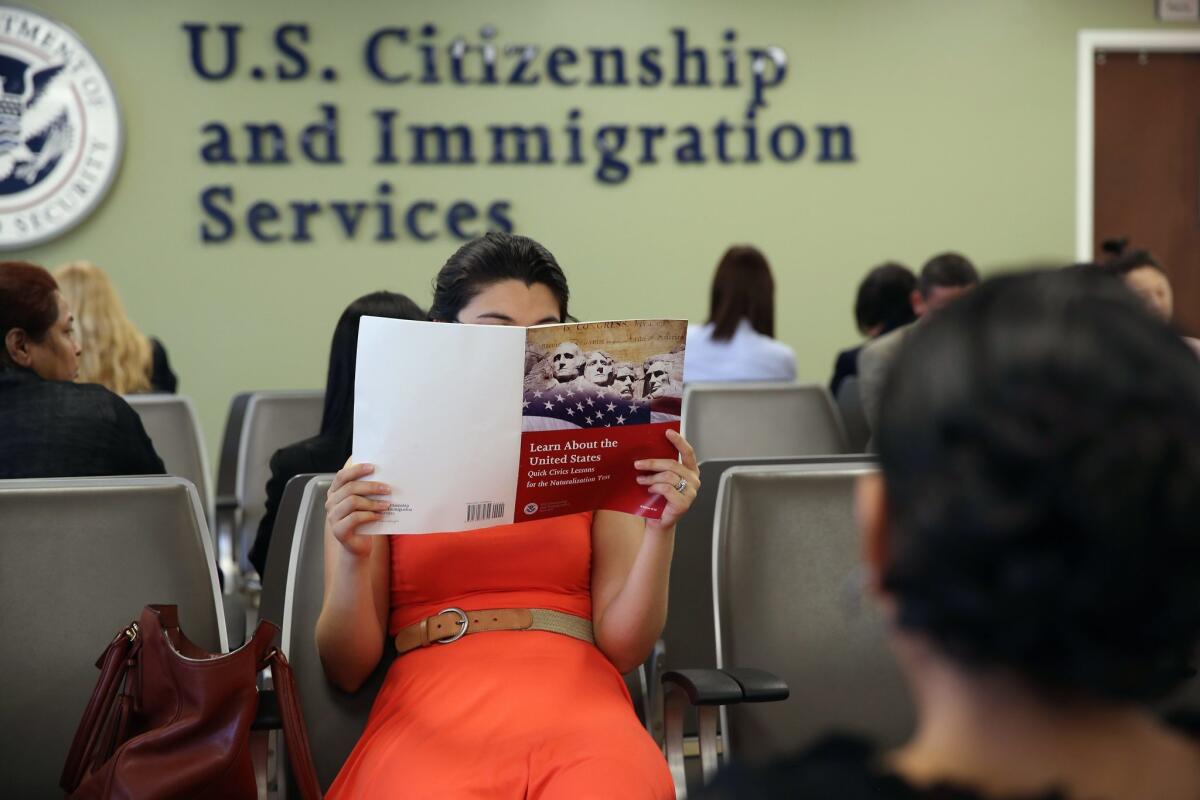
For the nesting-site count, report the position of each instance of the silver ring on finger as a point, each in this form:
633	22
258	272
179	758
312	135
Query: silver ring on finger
679	487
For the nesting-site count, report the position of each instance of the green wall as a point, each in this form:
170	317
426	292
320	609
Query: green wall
964	127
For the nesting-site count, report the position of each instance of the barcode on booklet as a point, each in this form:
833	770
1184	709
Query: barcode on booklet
479	511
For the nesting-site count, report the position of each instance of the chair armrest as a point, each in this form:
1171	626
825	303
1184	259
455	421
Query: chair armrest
268	717
758	685
705	687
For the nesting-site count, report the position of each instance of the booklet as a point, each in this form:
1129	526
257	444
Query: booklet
480	425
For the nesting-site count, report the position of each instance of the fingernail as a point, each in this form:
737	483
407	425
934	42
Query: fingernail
382	488
639	464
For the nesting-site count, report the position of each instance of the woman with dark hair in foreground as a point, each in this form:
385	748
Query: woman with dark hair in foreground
329	449
1033	538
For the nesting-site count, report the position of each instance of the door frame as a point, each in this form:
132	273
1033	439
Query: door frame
1090	41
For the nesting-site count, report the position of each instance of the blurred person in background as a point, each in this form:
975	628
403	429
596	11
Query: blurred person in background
738	341
943	278
116	354
1032	539
1145	277
329	449
51	426
883	304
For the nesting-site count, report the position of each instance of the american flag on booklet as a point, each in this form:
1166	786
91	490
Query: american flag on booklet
566	408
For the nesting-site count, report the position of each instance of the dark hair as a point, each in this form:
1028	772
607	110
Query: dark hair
1123	261
495	257
885	297
742	288
27	302
1040	442
337	420
946	270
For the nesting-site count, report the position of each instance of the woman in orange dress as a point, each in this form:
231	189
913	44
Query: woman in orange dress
540	714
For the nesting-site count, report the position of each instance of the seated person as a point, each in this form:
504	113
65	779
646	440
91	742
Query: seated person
1144	276
329	449
1032	539
53	427
883	304
538	704
943	278
737	343
116	354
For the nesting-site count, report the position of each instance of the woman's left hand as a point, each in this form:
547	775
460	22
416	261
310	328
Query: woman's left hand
677	481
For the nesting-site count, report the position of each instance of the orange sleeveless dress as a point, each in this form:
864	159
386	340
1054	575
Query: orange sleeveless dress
504	715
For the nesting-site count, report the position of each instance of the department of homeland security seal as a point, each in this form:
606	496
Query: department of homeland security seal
60	130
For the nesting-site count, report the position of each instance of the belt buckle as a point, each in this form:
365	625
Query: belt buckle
461	632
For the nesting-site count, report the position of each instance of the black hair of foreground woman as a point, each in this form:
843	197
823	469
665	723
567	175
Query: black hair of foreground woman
1034	541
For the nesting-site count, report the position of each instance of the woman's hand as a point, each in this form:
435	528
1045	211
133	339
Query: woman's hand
668	477
351	502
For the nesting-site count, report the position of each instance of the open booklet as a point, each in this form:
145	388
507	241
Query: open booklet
481	425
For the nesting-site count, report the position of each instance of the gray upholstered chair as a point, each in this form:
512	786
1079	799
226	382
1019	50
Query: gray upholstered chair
274	581
756	420
689	639
786	552
79	558
259	423
334	719
854	419
171	423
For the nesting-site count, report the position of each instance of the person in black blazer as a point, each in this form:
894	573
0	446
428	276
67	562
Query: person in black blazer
329	449
53	427
882	305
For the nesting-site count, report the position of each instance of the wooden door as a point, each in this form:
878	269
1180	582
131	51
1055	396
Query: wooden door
1147	167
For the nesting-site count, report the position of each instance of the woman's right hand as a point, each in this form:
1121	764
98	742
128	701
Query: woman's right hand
351	502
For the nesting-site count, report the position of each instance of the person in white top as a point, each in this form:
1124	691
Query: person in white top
738	341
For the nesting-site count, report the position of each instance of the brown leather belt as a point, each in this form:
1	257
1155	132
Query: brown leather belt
451	624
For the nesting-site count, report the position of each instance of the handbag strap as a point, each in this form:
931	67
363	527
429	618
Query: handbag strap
295	734
114	663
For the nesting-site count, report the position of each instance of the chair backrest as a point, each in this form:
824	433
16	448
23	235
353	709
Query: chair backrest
854	419
785	558
79	558
171	423
688	635
272	420
335	719
274	581
756	420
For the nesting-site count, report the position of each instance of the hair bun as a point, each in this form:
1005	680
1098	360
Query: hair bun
1115	247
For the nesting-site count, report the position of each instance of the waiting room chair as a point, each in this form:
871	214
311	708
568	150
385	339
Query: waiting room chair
79	558
274	582
756	420
171	423
258	424
785	561
854	419
689	638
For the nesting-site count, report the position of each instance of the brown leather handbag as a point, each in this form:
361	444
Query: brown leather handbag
170	720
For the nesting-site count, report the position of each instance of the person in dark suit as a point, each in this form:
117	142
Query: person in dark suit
53	427
1031	539
882	305
329	449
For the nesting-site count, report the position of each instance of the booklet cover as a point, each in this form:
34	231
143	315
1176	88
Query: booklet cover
481	425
